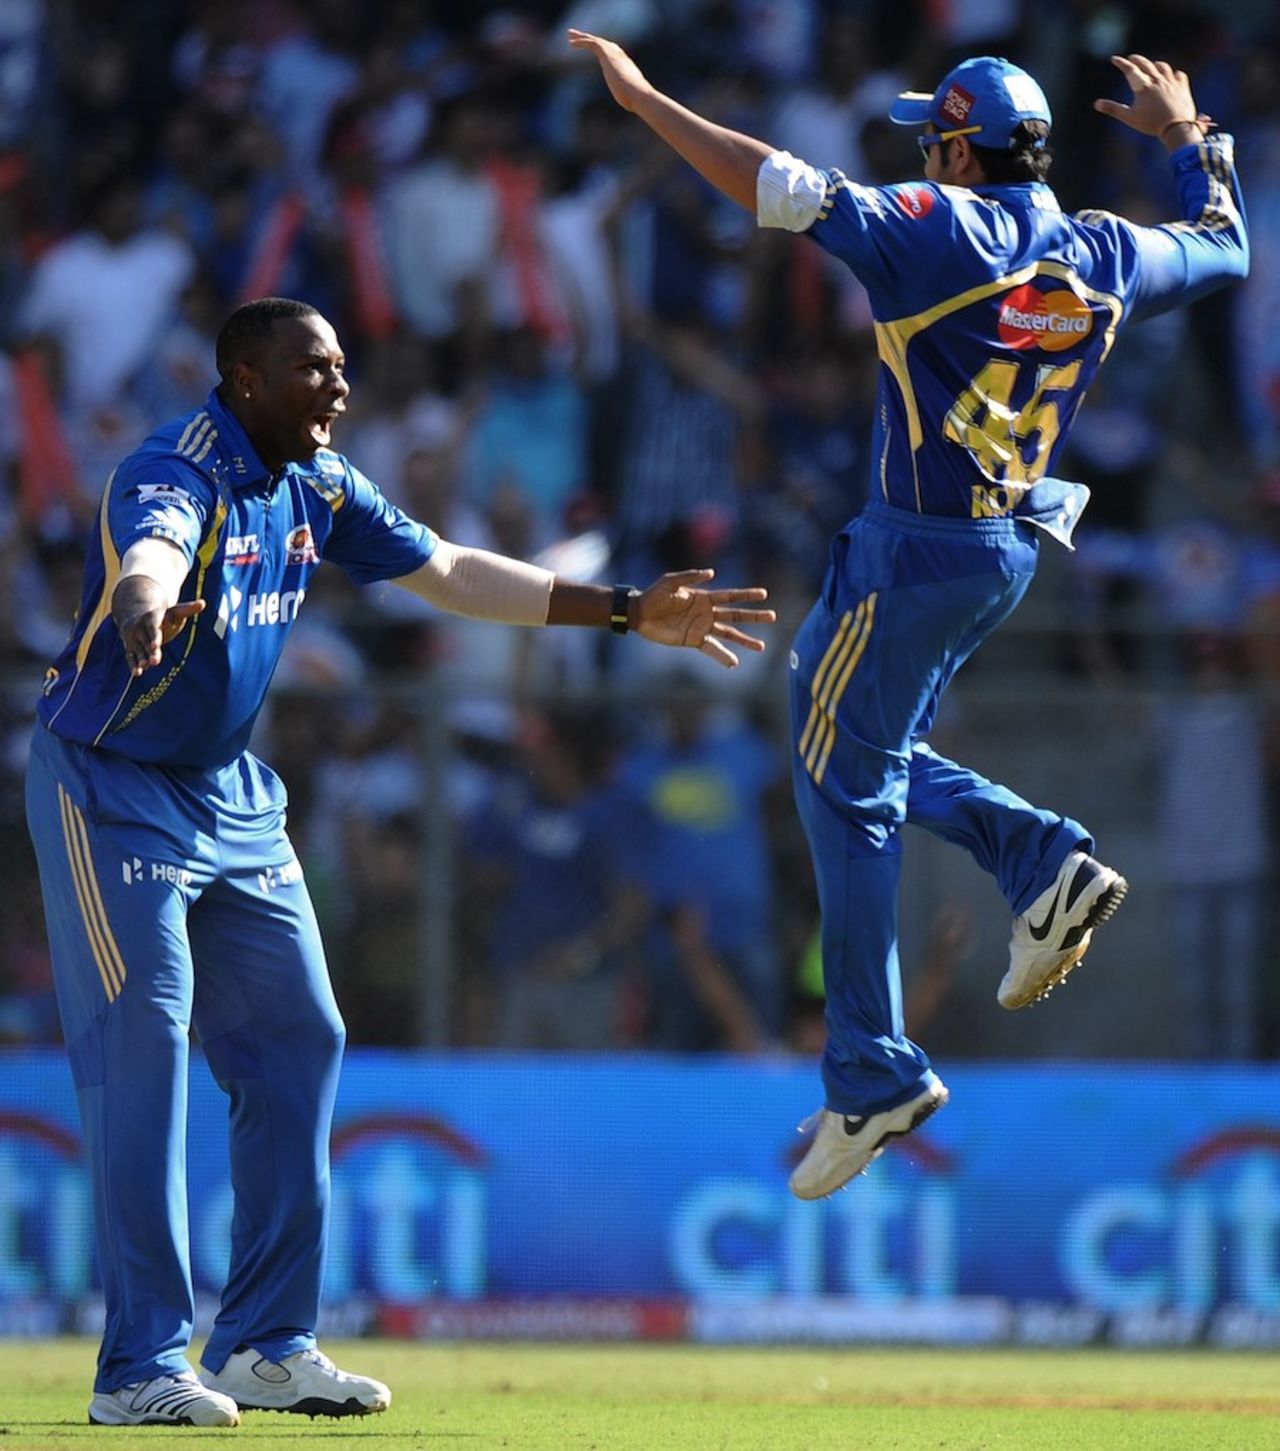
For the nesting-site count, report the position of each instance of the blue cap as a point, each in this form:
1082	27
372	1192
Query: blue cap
984	98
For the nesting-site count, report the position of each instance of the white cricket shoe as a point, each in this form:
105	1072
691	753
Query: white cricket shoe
1054	933
307	1382
165	1400
845	1145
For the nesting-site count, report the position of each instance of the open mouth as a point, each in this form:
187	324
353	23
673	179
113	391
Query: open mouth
320	425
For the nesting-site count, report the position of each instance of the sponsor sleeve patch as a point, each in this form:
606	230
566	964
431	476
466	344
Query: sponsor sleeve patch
162	494
916	201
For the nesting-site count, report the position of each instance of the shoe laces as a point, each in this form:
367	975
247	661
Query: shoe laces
318	1357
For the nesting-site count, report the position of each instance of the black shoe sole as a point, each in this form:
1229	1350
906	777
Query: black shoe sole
1102	911
133	1425
926	1110
314	1406
153	1421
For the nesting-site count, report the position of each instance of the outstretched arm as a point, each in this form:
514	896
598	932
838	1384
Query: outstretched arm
674	610
727	159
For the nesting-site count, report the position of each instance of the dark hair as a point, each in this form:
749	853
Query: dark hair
247	331
1026	158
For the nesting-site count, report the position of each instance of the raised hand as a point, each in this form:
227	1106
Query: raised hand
622	75
1161	96
674	611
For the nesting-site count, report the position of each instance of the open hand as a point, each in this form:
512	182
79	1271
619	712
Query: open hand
622	75
146	635
674	611
1161	95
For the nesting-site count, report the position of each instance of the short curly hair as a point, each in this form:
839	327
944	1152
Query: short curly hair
248	330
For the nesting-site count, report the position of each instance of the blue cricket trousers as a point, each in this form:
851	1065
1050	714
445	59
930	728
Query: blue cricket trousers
906	600
172	898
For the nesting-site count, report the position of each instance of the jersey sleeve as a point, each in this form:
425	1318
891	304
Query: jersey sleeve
373	540
886	235
1176	262
158	497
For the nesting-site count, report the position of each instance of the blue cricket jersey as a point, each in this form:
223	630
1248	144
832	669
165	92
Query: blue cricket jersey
993	311
253	540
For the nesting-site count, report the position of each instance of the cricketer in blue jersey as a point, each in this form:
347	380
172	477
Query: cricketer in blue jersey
993	311
172	895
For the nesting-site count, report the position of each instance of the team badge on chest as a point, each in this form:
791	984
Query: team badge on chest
300	546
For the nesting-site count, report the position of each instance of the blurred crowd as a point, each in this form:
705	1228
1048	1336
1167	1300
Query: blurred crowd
563	345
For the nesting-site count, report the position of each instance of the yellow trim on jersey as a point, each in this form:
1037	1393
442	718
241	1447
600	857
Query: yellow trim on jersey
210	439
334	494
1219	212
102	942
198	422
892	338
204	557
204	429
209	544
110	578
1109	300
824	739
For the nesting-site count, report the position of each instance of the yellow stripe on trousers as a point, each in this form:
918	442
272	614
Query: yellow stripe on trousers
824	667
102	942
825	738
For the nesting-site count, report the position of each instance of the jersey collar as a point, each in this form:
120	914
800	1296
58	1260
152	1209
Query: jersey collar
244	468
1035	193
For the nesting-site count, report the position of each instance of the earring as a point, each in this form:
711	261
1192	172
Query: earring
246	395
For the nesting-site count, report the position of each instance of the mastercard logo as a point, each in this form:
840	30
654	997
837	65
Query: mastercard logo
1054	321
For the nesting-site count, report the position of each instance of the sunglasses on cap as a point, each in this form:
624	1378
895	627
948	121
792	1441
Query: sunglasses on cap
927	140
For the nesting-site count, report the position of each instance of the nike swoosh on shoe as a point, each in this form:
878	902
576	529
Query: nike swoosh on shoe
1077	886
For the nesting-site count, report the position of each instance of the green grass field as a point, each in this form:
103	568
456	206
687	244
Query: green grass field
644	1397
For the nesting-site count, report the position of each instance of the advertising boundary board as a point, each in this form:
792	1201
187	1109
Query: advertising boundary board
596	1197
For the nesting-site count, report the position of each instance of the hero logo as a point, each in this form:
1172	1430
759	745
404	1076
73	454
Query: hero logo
1053	321
135	870
277	607
956	105
300	547
916	201
274	877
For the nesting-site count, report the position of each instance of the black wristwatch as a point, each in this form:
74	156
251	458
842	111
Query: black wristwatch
620	609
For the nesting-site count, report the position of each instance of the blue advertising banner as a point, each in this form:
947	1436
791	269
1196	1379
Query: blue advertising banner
500	1194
